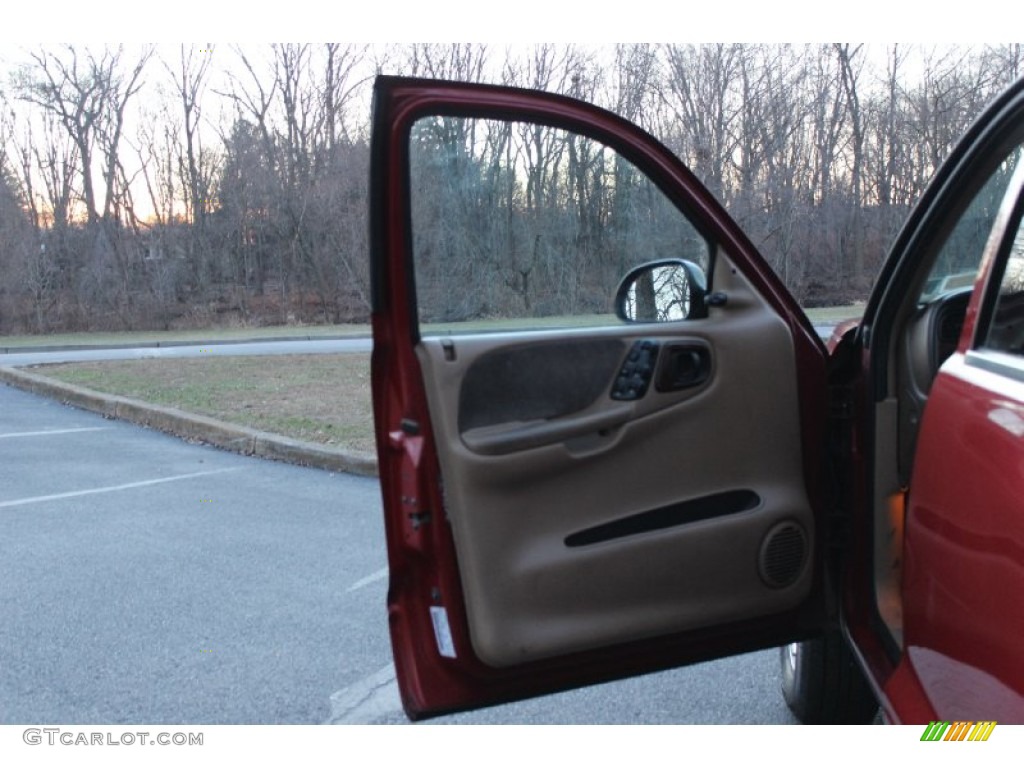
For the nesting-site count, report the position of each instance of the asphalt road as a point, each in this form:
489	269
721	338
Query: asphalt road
147	580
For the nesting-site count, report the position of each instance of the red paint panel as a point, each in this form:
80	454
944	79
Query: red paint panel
963	593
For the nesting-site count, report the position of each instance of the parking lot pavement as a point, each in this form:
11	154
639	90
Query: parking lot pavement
147	580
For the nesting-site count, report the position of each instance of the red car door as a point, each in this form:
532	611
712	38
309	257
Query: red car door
931	598
571	497
964	538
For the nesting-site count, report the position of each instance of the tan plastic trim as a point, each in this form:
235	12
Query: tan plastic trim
514	492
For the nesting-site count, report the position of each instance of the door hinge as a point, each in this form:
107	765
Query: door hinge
840	434
838	534
408	441
419	519
840	402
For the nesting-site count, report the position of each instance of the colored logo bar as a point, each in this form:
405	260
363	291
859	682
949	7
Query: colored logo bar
959	731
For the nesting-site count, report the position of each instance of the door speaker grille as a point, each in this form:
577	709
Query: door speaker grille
783	555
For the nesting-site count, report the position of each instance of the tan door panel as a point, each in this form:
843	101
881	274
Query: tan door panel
606	521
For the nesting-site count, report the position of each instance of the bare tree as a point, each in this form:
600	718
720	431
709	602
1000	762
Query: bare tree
453	61
88	94
817	150
340	87
699	93
195	165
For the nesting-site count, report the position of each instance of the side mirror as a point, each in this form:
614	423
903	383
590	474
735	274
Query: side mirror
662	292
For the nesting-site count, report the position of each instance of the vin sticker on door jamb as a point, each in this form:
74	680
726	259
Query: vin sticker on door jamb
442	631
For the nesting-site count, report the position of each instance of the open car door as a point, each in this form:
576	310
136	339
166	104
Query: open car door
573	495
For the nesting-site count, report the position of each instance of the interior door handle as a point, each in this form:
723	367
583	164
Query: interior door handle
502	439
683	366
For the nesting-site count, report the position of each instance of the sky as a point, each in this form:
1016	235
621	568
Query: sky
483	21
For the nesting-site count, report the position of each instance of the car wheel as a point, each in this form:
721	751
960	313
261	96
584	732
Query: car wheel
822	683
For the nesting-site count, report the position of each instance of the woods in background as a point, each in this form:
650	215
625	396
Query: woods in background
194	186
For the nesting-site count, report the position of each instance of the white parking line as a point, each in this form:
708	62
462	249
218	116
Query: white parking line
376	576
110	488
367	700
53	432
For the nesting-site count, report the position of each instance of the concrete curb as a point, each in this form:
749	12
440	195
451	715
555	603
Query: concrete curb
251	442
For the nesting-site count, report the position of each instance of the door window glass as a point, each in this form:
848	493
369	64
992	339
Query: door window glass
1006	327
960	257
518	225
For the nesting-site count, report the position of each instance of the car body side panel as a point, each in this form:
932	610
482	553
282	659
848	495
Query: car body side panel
903	699
964	533
964	578
956	492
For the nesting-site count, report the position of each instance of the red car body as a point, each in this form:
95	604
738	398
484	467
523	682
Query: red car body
896	457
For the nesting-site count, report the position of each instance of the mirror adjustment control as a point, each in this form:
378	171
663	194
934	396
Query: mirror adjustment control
634	377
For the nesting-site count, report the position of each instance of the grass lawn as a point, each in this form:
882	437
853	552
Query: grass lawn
319	398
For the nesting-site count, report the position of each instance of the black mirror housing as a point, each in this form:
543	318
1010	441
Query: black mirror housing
663	291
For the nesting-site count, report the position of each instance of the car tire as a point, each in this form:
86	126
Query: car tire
822	683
